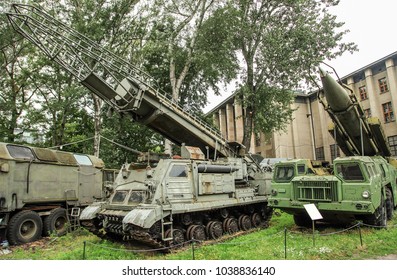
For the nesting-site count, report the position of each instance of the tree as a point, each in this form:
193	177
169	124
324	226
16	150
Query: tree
184	46
280	44
15	90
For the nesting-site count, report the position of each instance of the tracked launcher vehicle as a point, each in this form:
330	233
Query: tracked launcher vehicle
360	186
212	189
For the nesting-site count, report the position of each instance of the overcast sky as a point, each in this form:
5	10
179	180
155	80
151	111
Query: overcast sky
371	24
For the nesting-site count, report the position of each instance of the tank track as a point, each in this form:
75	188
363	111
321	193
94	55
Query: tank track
204	227
233	221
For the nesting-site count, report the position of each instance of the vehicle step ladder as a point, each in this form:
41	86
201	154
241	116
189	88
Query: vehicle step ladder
73	217
167	224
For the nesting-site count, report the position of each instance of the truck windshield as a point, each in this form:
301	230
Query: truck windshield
284	173
136	197
349	171
119	196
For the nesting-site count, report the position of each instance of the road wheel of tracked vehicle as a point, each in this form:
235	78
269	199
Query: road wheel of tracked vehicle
256	220
24	227
196	232
230	225
178	237
302	220
56	222
244	222
214	229
389	204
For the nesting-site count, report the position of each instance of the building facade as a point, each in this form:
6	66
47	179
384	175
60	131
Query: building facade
307	136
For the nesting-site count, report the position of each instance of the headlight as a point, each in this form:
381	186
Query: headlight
274	192
366	194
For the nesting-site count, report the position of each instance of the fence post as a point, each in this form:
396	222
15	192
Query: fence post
285	243
84	250
193	257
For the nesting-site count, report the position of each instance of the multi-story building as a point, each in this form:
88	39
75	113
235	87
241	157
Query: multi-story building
307	136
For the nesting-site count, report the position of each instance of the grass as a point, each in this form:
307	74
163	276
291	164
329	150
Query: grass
265	244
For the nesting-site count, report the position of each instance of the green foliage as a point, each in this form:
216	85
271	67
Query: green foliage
281	43
122	130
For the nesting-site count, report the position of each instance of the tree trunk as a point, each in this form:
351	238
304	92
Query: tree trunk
97	124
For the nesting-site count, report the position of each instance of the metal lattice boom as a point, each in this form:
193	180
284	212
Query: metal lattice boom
118	82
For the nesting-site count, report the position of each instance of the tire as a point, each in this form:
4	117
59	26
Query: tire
24	227
382	220
55	223
389	204
379	217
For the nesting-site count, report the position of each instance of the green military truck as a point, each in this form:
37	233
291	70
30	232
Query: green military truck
39	188
355	188
360	186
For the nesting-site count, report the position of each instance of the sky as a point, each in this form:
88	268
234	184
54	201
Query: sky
371	24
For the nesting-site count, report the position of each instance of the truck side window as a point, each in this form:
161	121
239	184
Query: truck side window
301	169
349	172
178	171
19	152
82	159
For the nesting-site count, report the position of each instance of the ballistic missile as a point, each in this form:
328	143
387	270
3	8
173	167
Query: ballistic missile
353	132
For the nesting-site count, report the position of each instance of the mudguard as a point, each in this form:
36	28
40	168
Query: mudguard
143	217
90	212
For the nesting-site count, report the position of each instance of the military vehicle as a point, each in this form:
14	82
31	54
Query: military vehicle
40	187
212	189
361	186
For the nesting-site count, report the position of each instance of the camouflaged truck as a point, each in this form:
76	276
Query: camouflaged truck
40	187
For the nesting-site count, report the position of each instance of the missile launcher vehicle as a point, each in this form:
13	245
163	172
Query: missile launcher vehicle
212	189
361	186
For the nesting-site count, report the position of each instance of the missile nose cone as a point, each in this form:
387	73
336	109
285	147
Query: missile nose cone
336	96
323	73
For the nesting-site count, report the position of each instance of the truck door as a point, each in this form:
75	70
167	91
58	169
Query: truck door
90	180
179	183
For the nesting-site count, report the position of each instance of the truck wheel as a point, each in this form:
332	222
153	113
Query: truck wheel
56	222
302	220
382	221
379	218
389	204
25	226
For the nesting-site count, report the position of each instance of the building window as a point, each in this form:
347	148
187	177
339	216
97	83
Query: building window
367	113
320	153
383	85
388	112
363	92
393	144
332	148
